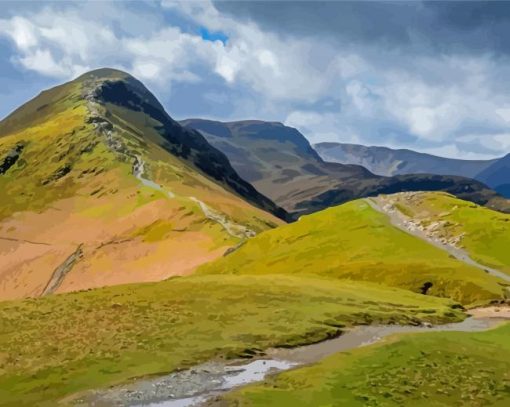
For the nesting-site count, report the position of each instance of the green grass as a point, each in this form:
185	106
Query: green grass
55	346
486	232
426	369
354	241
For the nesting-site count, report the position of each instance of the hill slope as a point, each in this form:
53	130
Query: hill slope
427	369
100	186
482	233
355	241
386	161
141	329
280	162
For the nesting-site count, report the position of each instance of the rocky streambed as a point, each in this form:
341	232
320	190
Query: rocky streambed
196	386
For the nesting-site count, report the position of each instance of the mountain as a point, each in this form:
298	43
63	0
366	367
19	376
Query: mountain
357	241
276	159
497	175
386	161
100	186
280	162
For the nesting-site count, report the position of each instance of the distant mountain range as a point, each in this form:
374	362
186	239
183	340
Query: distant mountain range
388	162
280	162
497	176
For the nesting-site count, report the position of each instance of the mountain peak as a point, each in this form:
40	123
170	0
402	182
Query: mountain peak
101	74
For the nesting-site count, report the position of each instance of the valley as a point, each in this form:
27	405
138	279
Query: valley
432	368
137	330
280	162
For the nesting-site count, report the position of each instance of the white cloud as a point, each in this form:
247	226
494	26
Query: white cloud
21	31
447	104
42	61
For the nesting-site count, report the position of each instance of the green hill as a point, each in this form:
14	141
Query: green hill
427	369
483	233
356	242
58	345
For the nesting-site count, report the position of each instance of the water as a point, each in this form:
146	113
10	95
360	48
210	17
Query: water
235	376
195	386
185	402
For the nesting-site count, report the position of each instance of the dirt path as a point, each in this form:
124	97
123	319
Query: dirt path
399	220
233	229
197	386
139	170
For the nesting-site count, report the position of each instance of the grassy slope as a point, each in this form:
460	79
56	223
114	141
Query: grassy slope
431	369
486	232
61	136
58	345
354	241
129	232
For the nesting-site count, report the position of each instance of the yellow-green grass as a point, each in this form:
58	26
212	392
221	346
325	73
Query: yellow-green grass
354	241
486	233
56	134
426	369
64	140
58	345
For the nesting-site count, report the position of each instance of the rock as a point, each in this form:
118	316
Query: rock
11	158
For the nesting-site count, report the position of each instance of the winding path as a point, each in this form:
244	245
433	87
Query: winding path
233	229
139	170
398	220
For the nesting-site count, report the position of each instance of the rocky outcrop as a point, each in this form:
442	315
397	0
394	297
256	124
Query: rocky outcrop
62	270
113	96
11	158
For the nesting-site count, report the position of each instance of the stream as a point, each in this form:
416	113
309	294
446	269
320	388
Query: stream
195	386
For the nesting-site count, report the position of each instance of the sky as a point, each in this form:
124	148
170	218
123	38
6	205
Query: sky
428	76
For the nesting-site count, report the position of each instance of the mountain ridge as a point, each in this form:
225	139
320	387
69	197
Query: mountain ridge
282	164
332	151
389	162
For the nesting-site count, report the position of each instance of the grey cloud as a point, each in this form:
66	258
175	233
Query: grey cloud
412	26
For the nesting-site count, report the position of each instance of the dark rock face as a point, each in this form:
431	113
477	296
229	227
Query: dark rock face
11	158
182	142
60	173
426	287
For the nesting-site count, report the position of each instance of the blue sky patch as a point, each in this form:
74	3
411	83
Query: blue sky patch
213	36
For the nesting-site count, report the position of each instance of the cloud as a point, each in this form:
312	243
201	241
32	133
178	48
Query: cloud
416	27
418	75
